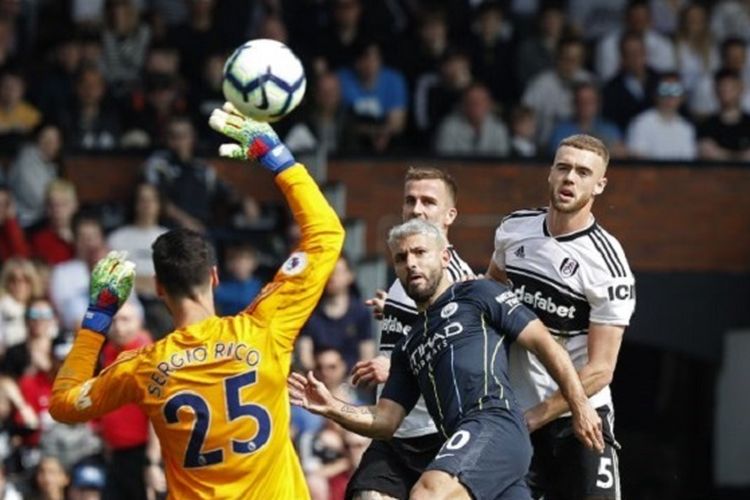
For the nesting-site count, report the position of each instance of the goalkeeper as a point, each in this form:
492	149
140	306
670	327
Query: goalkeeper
215	388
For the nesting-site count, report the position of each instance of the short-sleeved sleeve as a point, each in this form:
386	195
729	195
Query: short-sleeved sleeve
498	256
611	289
505	311
612	301
402	386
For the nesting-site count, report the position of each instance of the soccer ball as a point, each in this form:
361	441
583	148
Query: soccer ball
264	80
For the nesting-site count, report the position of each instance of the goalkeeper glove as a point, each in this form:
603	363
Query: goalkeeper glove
111	282
257	140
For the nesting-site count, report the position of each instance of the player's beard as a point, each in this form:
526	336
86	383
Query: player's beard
567	207
421	293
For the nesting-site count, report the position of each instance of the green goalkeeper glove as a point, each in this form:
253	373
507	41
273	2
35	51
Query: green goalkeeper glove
111	283
257	140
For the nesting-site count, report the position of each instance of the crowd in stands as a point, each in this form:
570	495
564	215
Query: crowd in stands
656	80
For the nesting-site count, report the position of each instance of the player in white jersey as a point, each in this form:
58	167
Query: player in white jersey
575	277
389	469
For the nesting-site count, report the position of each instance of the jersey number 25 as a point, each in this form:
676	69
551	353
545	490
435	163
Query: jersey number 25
194	457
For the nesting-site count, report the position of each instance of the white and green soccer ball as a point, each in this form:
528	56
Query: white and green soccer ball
264	80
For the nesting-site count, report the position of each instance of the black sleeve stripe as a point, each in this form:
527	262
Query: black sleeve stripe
455	275
403	307
619	269
616	257
604	256
457	267
531	212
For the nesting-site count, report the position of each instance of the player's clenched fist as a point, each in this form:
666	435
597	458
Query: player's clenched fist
111	283
256	140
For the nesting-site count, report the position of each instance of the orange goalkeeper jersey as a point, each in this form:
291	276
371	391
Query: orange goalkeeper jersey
216	391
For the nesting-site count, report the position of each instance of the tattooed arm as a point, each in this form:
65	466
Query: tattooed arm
379	422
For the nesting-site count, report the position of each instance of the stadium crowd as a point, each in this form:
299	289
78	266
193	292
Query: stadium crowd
658	80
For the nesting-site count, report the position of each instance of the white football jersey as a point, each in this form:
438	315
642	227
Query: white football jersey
569	281
399	313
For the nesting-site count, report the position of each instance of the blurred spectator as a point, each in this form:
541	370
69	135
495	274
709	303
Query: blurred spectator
731	18
734	57
73	443
54	88
87	482
12	238
87	13
171	12
355	448
151	110
661	133
32	172
536	52
239	285
697	52
665	15
338	45
17	116
136	238
162	59
70	443
321	446
53	242
438	94
325	462
595	19
550	93
49	480
473	130
41	328
205	96
125	431
340	322
13	405
422	54
377	97
92	49
190	186
523	132
196	38
19	285
124	42
325	123
272	27
660	52
7	41
726	135
69	283
7	489
492	49
90	121
587	119
632	90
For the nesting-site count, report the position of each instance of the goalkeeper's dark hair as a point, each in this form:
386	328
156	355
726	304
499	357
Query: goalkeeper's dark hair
183	260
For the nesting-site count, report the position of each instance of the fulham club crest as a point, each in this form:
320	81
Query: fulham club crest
568	267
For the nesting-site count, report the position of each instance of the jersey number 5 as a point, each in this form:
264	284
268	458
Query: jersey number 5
194	457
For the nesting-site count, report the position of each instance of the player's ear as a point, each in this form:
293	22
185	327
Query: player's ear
159	289
600	185
445	257
214	277
450	216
